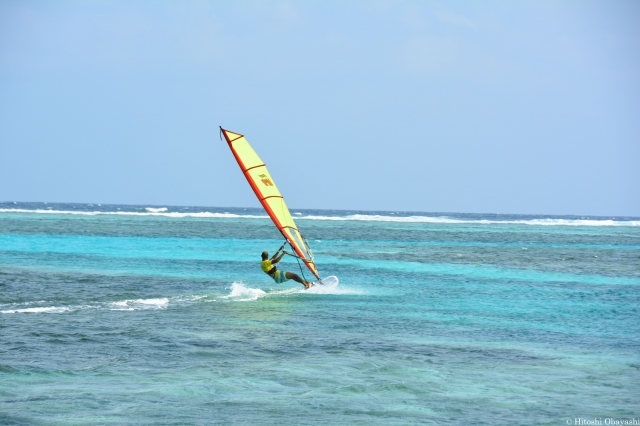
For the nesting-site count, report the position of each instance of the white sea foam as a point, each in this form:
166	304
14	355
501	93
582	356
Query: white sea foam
148	213
316	289
123	305
47	310
354	217
444	219
31	302
192	298
241	293
131	305
320	289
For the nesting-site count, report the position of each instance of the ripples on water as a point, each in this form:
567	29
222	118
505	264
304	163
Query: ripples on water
163	316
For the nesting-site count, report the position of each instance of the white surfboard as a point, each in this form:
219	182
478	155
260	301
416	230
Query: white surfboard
331	281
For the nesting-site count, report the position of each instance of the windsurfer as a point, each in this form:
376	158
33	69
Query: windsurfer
269	268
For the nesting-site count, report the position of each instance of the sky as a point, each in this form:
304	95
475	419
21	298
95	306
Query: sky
529	107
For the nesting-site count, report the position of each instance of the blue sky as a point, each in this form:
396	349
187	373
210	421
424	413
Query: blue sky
499	107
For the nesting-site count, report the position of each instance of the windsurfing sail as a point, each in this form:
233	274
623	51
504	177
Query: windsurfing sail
267	192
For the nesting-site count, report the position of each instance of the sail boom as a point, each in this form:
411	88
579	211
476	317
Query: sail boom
259	165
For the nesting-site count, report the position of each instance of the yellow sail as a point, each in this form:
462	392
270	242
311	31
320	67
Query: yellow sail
267	192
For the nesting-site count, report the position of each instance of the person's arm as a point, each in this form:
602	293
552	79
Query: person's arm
276	258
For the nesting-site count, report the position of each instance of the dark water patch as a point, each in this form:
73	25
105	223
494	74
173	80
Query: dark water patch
141	227
151	273
10	420
7	369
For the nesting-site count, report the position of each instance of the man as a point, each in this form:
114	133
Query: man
269	268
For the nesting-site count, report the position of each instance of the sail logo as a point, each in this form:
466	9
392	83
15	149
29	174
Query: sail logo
266	180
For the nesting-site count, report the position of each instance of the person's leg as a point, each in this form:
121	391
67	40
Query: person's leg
296	278
280	277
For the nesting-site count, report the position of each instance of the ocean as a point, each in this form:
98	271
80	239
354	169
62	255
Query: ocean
133	315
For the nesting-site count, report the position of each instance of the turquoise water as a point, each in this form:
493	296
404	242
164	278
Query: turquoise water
135	315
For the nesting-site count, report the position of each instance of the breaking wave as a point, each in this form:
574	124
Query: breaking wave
124	305
238	293
164	212
241	293
150	212
444	219
131	305
43	310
